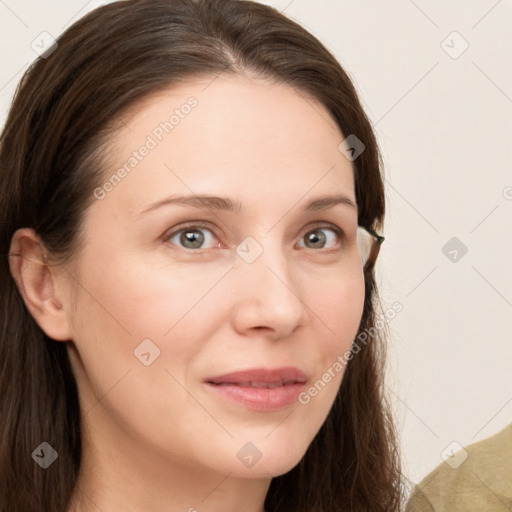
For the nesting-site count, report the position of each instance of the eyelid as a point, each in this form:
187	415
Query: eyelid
323	224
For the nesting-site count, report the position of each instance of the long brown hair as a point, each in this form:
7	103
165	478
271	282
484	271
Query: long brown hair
52	157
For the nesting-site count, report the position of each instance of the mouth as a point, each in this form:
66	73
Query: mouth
255	384
259	389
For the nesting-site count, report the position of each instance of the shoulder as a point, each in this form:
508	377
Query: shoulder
479	478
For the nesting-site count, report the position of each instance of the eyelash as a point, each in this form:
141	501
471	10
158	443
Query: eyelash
201	225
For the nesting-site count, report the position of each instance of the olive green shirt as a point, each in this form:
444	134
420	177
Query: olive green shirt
481	482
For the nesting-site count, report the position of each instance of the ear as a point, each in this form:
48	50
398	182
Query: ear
37	282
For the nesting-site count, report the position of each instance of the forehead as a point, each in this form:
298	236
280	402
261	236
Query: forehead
229	135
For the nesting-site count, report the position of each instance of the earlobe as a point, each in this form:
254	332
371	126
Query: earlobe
37	282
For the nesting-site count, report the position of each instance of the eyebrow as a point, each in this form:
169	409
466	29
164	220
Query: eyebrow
226	204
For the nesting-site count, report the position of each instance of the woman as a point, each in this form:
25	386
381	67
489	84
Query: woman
188	190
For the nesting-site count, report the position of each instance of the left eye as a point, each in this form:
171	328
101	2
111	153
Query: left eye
192	237
317	237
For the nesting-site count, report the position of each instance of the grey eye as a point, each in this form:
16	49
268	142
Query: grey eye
316	238
190	237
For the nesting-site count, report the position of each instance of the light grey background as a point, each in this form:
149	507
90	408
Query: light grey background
444	123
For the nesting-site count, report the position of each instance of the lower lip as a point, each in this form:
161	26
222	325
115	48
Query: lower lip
259	399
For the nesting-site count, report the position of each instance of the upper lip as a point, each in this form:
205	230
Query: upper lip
287	375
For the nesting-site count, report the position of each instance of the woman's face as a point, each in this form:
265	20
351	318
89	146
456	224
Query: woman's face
173	299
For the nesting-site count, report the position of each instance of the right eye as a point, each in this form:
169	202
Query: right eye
191	236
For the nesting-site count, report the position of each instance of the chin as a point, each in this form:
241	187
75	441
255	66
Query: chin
268	459
282	465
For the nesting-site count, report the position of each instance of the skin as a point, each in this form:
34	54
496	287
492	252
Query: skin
154	438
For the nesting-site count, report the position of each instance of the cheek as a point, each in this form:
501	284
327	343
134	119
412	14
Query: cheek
337	306
141	299
123	303
120	306
336	309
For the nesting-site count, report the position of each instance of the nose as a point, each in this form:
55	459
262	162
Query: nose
267	293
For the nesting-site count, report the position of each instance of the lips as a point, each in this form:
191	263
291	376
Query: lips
259	389
261	378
